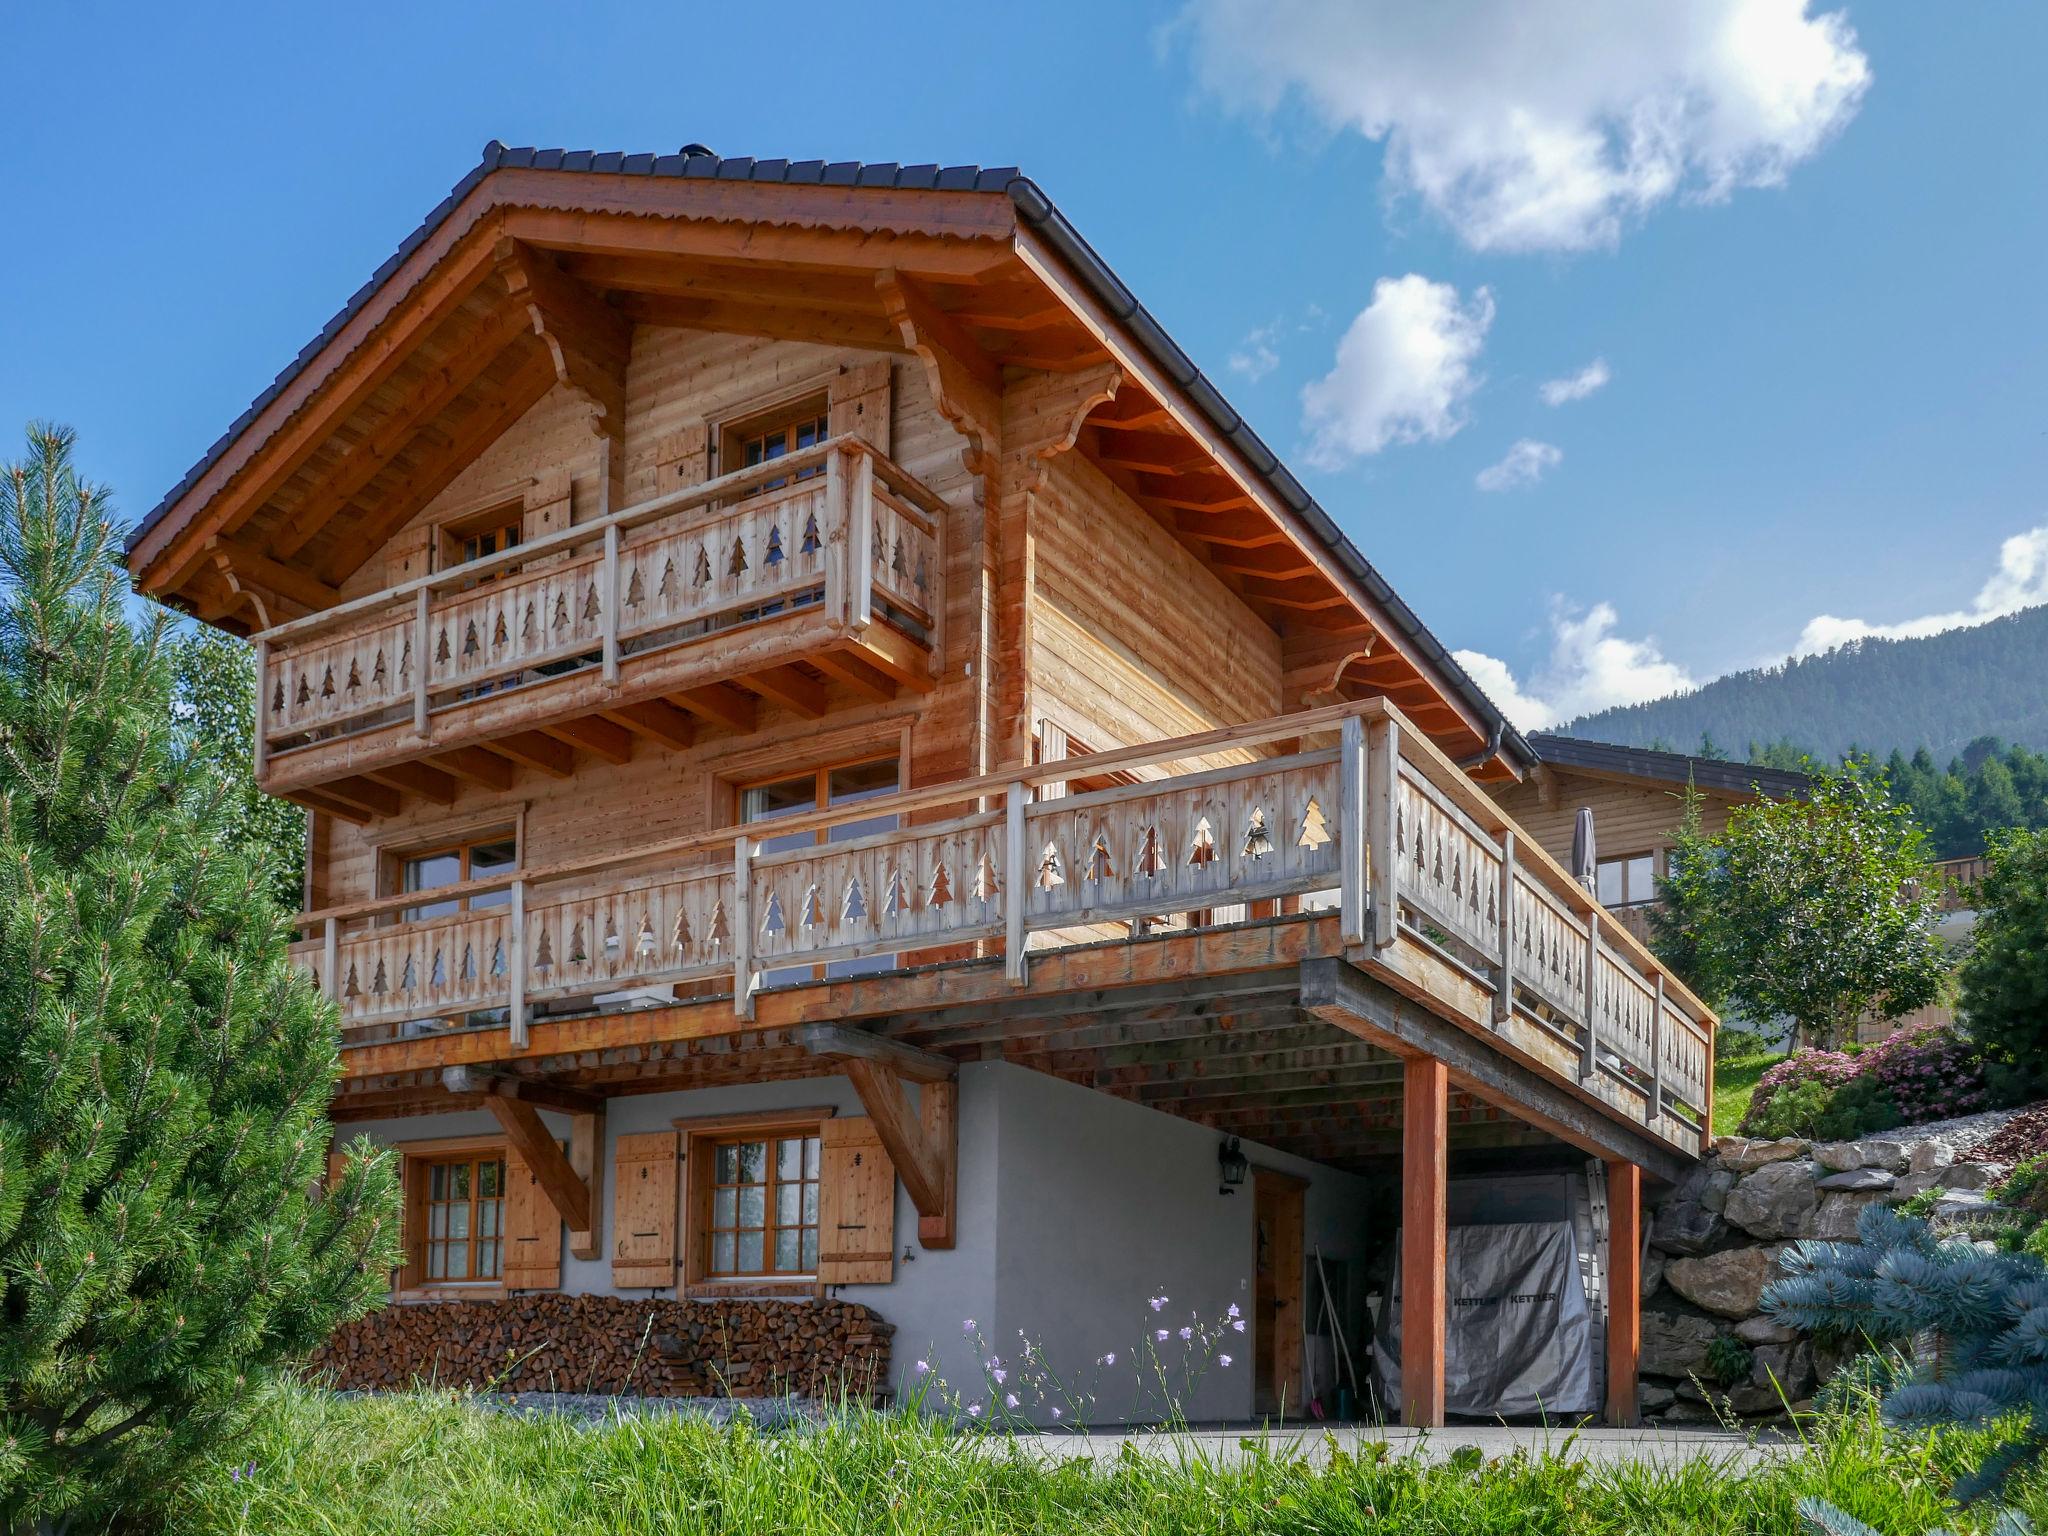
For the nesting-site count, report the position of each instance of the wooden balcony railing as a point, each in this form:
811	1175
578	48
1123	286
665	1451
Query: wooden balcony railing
835	532
1380	828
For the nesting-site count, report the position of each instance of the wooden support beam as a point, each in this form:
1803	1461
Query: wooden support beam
778	322
588	341
658	720
365	795
550	756
922	1160
258	569
586	1161
720	704
507	1085
1425	1210
537	1147
842	1043
601	738
1624	1293
1339	992
316	800
477	765
419	779
788	687
870	682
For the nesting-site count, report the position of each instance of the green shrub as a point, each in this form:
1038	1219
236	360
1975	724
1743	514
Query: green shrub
1729	1360
2004	983
1795	1110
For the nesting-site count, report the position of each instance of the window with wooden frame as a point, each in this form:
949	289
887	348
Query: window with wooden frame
474	856
1628	880
457	1206
759	1203
774	434
797	794
488	532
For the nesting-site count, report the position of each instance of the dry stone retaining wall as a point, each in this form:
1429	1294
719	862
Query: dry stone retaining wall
1714	1246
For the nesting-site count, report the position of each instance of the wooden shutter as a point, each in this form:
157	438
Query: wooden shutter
856	1205
547	506
644	1211
859	402
405	554
533	1231
682	458
1053	747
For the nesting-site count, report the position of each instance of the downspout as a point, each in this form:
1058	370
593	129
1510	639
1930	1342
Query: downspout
1487	753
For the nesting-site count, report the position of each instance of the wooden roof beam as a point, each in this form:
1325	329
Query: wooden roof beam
552	757
419	779
669	277
720	704
589	341
583	231
256	568
476	765
600	738
777	322
364	794
657	720
1238	530
492	418
870	682
788	687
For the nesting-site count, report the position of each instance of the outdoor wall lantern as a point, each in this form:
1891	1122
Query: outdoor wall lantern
1232	1164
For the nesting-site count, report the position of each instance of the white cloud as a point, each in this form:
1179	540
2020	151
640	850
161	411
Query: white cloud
2021	581
1546	124
1575	386
1524	464
1403	373
1256	356
1589	667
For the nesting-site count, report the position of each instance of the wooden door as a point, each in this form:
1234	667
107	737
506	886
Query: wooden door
1276	1293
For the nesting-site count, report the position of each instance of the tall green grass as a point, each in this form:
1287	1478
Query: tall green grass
430	1463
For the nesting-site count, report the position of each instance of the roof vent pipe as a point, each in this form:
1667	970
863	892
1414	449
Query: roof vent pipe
692	151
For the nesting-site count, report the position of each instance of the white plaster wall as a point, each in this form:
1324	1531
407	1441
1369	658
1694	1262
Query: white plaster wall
1074	1209
1105	1204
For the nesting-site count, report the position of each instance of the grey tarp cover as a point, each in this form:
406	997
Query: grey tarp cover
1520	1332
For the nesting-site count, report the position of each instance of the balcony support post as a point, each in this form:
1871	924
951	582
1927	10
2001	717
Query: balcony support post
1589	1042
1383	778
1351	839
261	734
422	662
860	514
743	926
1504	982
515	964
1624	1293
1424	1239
610	587
1656	1105
330	958
1016	885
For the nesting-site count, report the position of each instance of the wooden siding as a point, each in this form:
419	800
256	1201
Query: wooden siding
1627	818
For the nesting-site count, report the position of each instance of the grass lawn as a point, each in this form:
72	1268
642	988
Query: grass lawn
433	1463
1735	1078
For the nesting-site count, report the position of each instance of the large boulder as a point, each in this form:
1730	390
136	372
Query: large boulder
1930	1155
1786	1368
1956	1176
1675	1343
1761	1330
1728	1283
1839	1212
1777	1200
1864	1178
1892	1156
1743	1154
1690	1221
1838	1156
1653	1272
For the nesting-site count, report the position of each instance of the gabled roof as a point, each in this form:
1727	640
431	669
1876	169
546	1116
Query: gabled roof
1034	210
1612	760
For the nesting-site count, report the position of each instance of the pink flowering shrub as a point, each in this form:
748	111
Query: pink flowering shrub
1909	1079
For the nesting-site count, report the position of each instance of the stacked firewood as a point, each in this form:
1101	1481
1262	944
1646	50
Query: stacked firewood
605	1344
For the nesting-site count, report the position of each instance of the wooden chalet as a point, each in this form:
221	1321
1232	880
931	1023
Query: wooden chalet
814	711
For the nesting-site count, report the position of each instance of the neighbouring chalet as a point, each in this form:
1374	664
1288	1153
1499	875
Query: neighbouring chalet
846	779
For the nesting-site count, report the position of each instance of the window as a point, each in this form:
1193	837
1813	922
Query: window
763	1206
1627	881
478	858
462	1210
785	431
488	533
803	793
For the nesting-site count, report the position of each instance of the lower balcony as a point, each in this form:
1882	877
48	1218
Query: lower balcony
773	583
1250	927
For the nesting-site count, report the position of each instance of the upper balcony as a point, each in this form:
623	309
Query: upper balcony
772	582
1150	920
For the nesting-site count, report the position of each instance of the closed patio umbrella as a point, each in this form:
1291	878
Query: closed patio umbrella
1584	856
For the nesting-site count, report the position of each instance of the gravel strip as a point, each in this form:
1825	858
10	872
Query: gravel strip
1965	1133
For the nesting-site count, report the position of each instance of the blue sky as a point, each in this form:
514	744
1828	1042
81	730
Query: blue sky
1805	243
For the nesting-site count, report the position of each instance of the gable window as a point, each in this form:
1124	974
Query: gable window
1627	881
762	1207
474	858
487	533
774	435
461	1211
